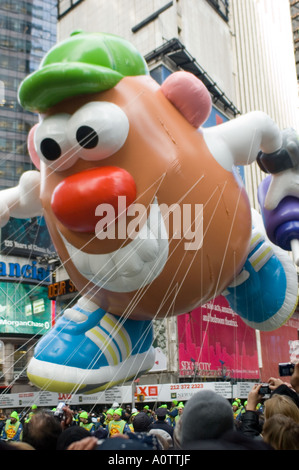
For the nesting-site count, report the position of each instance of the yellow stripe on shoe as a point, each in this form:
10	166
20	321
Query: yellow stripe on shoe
118	332
260	257
105	344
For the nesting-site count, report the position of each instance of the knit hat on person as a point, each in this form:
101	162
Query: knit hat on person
118	411
207	415
70	435
161	413
141	422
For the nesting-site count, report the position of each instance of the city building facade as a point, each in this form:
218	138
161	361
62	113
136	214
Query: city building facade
28	30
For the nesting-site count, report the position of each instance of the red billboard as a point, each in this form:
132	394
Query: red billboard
275	347
214	342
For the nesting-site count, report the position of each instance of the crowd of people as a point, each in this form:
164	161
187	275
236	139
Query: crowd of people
207	421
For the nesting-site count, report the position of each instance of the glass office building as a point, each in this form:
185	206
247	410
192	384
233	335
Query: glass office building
27	31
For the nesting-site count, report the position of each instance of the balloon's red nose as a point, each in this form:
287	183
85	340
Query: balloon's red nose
76	198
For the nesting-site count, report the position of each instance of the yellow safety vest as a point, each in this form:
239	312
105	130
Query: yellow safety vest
116	427
11	429
87	426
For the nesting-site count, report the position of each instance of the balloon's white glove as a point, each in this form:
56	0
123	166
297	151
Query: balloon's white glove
21	201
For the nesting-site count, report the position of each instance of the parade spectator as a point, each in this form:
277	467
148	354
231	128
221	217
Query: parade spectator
163	437
173	412
281	404
177	435
131	441
181	407
2	422
207	415
100	433
251	422
281	432
70	435
279	387
282	401
160	422
87	443
295	378
141	422
207	423
42	431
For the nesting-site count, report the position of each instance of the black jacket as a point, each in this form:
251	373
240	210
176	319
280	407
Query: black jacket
250	424
161	424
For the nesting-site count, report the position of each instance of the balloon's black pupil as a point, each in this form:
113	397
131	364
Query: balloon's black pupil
50	149
87	137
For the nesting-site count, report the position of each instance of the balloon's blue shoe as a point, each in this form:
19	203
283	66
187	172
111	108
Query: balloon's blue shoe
265	293
90	350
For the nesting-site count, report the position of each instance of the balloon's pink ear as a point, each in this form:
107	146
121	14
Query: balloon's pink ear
189	95
31	148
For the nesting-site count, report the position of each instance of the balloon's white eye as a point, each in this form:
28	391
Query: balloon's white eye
98	130
51	142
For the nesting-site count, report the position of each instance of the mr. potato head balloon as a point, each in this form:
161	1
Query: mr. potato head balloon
135	143
144	206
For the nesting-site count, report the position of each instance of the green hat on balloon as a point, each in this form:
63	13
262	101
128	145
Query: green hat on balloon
84	63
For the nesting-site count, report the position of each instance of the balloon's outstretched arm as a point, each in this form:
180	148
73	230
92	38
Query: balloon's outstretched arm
240	140
21	201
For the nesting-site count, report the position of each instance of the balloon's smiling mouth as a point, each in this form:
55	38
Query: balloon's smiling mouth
130	267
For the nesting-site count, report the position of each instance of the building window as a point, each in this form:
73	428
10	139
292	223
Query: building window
160	73
1	358
221	6
20	362
64	6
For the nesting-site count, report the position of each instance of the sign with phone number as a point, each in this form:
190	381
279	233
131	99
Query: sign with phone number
182	391
150	393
